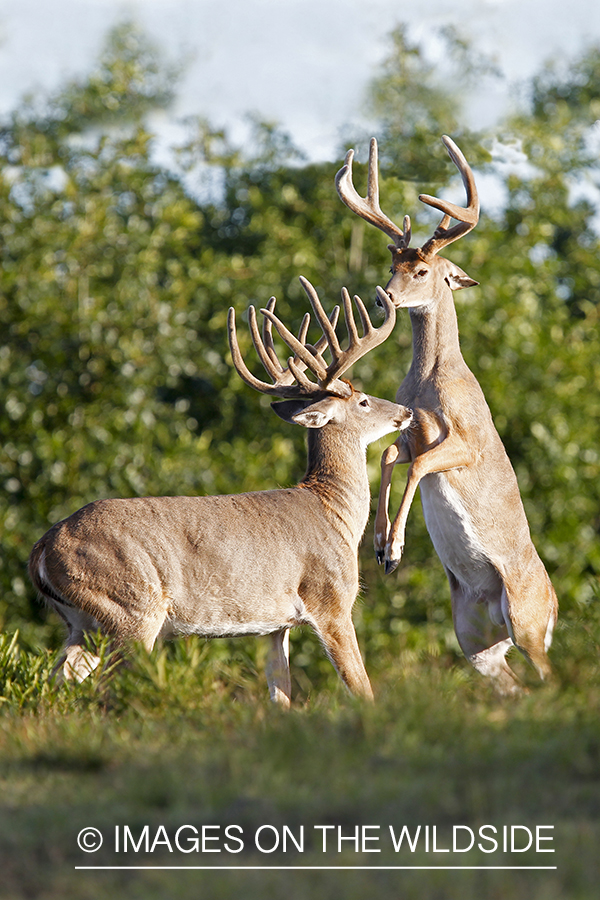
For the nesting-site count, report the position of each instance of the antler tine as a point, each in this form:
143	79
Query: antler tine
327	325
267	335
308	387
304	328
281	386
407	232
351	328
371	337
368	207
322	343
302	351
467	217
307	356
264	346
238	360
267	340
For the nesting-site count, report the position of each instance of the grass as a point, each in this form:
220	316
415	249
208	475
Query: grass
186	736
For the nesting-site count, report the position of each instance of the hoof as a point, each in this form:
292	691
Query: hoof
390	565
379	556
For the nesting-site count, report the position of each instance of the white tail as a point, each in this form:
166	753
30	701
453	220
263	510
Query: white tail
501	593
255	563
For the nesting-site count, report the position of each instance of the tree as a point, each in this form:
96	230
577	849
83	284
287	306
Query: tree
419	95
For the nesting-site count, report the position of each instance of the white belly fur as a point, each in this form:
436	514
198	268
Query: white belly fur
175	628
454	537
213	620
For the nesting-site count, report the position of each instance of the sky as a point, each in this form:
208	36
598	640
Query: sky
302	63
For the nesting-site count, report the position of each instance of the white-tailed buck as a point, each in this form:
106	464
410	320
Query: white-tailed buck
254	563
501	593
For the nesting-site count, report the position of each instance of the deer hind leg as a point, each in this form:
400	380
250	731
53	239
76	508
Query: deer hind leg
77	662
531	616
485	642
339	639
278	668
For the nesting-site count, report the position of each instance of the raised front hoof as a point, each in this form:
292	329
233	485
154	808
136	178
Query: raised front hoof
391	565
380	556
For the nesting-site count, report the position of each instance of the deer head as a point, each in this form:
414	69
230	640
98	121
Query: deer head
418	273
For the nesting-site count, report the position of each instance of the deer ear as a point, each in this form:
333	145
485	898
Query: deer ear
306	413
287	409
457	279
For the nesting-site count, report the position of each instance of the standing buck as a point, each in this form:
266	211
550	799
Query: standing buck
501	593
255	563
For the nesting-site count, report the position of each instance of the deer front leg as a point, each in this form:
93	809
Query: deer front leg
339	639
392	456
451	453
278	668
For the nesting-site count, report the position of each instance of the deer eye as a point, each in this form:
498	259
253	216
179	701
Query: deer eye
364	402
422	273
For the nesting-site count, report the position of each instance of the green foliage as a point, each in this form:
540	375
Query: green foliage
24	677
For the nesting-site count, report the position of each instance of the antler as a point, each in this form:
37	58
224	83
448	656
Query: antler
368	207
307	356
467	217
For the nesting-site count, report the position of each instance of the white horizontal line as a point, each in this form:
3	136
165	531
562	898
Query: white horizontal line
327	868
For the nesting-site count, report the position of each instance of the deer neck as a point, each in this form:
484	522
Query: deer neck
337	474
435	337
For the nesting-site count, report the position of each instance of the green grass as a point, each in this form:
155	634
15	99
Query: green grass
187	736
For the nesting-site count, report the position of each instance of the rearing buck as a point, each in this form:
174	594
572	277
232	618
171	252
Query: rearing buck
501	593
255	563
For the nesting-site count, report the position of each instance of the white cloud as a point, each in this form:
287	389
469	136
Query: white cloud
304	63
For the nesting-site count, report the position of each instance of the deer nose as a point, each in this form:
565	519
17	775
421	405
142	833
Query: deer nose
382	293
386	293
404	418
